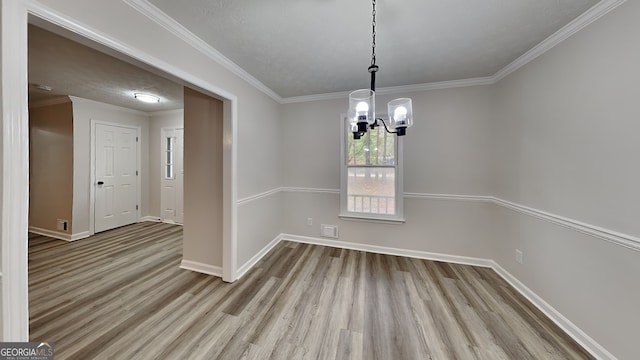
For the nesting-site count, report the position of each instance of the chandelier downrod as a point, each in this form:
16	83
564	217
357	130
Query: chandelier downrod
373	68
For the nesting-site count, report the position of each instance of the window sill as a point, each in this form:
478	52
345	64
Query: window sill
373	219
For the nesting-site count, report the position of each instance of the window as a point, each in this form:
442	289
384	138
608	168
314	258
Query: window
371	175
168	165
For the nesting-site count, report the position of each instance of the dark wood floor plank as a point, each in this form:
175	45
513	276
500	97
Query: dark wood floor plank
121	294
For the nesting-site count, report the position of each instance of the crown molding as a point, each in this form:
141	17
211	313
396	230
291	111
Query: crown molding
591	15
594	13
489	80
159	17
315	97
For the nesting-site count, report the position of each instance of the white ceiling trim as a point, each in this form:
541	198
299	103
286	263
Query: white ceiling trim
591	15
152	12
489	80
579	23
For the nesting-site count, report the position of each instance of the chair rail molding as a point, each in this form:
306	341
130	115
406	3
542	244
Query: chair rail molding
625	240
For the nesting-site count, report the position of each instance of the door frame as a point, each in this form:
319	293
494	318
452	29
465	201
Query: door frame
14	292
162	150
92	169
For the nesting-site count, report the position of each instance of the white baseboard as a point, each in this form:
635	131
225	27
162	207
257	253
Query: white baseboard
595	349
201	268
389	251
59	235
80	235
590	345
254	260
158	220
50	233
170	222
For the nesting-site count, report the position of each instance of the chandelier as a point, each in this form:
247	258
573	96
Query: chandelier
362	103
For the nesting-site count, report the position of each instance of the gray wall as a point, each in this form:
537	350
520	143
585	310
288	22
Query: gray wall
260	164
591	282
567	143
445	152
559	135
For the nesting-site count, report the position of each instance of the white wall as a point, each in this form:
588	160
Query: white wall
157	121
83	112
445	152
567	143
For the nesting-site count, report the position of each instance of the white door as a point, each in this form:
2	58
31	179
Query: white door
172	175
179	175
116	171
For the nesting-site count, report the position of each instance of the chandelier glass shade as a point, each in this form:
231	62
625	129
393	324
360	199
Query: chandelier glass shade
362	103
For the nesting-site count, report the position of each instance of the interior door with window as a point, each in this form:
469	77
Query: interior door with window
172	202
116	172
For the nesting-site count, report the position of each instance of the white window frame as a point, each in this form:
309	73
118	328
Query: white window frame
399	191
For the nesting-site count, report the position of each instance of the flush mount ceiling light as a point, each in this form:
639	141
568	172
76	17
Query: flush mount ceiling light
148	98
362	103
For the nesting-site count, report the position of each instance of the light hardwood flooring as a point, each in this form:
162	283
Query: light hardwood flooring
121	295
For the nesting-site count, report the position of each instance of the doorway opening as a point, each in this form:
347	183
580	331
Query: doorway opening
14	282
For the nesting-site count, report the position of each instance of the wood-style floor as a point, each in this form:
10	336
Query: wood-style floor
121	295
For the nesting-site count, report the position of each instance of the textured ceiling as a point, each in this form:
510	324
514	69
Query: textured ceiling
71	68
309	47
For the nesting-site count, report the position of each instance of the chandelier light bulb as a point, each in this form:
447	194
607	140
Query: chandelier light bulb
400	115
362	108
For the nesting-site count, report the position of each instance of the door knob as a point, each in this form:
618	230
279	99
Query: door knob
100	182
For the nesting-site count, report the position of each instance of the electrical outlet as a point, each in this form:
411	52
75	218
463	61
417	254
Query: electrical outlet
62	225
519	256
309	221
